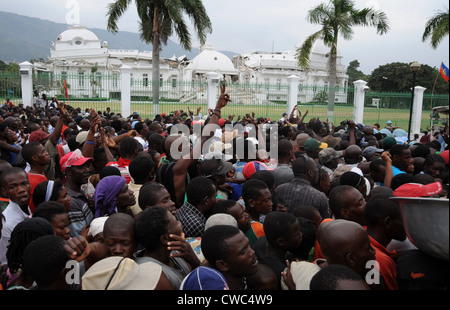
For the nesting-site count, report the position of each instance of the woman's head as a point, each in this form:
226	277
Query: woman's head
112	195
51	191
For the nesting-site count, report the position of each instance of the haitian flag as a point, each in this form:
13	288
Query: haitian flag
444	72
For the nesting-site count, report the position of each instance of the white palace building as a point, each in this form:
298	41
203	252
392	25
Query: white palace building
78	53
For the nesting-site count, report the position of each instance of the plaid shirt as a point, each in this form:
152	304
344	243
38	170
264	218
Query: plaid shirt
192	220
301	192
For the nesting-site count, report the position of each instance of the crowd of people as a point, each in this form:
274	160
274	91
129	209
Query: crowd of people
112	194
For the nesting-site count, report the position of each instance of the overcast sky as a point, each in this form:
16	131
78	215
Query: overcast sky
244	26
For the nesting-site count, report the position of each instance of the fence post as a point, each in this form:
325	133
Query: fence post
125	96
213	81
26	76
417	110
360	94
293	82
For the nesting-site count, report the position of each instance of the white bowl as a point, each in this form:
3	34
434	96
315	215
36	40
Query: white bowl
427	224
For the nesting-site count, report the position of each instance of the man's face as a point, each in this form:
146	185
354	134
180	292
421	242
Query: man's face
242	217
120	241
263	204
80	174
355	207
241	259
42	156
403	160
17	188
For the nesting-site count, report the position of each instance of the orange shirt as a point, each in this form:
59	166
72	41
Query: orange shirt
388	267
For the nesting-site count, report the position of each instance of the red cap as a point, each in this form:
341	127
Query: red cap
38	136
251	167
222	122
74	158
418	190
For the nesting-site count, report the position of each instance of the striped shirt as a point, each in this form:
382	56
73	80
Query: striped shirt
80	214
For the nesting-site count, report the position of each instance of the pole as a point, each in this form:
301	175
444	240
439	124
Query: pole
411	108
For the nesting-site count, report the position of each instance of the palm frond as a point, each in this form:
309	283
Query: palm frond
437	28
304	51
115	11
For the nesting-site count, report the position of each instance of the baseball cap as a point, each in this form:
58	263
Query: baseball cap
38	136
301	139
221	122
81	137
370	150
312	144
212	167
251	167
418	190
328	154
389	141
74	158
389	122
204	278
121	273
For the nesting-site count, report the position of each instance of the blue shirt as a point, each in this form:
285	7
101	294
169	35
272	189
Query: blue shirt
396	171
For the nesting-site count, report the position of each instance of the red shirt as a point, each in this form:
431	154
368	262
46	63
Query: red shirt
35	179
388	267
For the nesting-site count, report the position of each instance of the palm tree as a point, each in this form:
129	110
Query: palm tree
159	19
337	18
436	28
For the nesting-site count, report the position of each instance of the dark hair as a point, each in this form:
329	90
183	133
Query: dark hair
397	149
338	198
432	158
380	207
400	179
328	277
305	211
266	176
28	150
222	206
284	148
308	239
278	225
213	242
421	150
140	168
151	224
10	171
375	164
25	232
251	189
198	189
147	194
48	210
108	171
128	147
45	258
40	192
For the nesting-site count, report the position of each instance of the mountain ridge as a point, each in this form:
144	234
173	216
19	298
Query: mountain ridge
24	38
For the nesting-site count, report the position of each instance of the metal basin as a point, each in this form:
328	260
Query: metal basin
427	224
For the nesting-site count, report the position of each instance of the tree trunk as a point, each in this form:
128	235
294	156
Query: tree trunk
332	86
155	64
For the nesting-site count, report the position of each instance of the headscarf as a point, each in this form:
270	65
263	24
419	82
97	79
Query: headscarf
105	195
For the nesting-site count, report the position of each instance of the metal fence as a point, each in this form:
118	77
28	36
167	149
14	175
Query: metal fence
98	91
